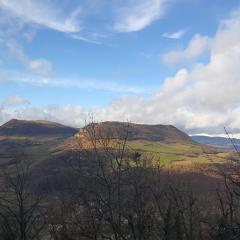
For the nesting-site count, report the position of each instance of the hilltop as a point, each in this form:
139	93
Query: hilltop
16	127
44	141
166	143
156	133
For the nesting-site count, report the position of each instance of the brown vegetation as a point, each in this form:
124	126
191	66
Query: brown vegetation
109	191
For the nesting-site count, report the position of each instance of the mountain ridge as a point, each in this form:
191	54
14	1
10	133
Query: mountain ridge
137	131
156	132
16	127
220	142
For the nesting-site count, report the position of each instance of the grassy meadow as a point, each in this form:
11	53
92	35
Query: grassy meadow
180	154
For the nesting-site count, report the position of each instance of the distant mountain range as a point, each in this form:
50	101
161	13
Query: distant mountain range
217	141
157	133
33	128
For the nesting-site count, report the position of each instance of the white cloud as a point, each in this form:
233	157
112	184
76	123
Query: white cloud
175	84
10	104
42	13
175	35
202	98
40	80
224	135
85	39
54	113
196	47
29	34
146	55
38	66
138	14
14	101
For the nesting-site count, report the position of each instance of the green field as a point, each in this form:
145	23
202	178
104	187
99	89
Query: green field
35	149
184	155
175	153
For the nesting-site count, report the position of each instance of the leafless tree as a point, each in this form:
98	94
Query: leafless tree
226	224
20	205
119	195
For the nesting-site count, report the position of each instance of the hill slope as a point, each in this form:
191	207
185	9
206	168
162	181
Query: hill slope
43	141
34	128
160	133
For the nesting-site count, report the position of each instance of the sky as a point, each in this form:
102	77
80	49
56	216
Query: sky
145	61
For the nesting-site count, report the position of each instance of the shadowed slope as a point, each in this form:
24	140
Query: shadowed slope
34	128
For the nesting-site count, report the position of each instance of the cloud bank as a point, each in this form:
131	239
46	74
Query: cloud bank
195	48
201	97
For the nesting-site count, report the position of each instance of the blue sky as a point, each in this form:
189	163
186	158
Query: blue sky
148	61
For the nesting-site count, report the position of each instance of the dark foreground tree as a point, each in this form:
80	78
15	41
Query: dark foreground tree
116	193
21	215
122	195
